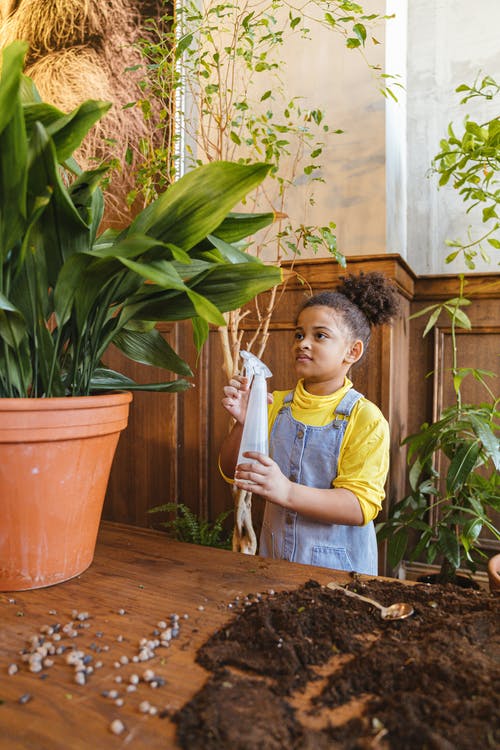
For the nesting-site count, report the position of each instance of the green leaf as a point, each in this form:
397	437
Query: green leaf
461	466
397	546
238	226
432	321
10	82
197	204
230	253
150	348
12	323
200	332
66	130
206	309
109	380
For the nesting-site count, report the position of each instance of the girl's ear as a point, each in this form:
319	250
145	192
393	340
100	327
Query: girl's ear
355	352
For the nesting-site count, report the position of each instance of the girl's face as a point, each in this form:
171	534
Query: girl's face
323	349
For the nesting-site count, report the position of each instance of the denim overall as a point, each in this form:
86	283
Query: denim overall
309	455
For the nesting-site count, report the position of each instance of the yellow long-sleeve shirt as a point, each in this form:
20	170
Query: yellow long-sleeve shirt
364	454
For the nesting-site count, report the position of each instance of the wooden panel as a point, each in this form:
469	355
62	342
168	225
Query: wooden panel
144	471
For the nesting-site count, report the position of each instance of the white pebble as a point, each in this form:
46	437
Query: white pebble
201	607
80	678
113	694
12	669
119	702
118	678
148	675
131	688
162	624
121	611
144	707
153	710
117	726
124	659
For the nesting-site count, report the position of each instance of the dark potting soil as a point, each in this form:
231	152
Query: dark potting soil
312	669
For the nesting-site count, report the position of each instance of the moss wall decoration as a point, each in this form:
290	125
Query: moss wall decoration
81	49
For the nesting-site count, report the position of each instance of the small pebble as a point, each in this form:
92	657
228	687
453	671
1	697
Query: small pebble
113	694
148	675
124	659
119	702
80	678
162	624
118	678
25	698
12	669
144	707
131	688
117	726
121	611
153	710
119	638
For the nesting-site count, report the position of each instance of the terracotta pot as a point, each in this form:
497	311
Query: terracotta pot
494	573
55	460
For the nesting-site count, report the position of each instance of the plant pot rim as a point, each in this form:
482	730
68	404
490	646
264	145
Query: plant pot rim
64	402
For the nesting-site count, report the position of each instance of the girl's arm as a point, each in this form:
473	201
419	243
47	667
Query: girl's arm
263	476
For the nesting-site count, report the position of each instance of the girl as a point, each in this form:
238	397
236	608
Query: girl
329	446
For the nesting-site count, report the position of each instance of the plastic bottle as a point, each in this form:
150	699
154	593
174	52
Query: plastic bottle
255	430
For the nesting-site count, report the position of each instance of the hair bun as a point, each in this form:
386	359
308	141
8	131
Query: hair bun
374	294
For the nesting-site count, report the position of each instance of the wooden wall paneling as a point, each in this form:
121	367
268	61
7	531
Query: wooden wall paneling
194	430
144	472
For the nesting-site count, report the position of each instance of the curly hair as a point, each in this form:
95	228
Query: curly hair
364	301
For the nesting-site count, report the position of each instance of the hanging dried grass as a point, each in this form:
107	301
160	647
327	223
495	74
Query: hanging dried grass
81	49
7	7
50	25
68	77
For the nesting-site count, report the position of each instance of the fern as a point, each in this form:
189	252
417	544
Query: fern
187	527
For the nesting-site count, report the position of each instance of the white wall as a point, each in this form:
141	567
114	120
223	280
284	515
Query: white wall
435	45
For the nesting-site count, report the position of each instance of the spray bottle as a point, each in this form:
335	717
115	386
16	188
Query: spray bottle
255	429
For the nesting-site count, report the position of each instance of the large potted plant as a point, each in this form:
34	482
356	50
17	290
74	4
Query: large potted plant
67	291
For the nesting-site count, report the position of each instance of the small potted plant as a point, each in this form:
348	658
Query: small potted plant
453	475
454	461
67	291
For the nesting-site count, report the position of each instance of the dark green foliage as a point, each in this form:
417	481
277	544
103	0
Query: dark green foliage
186	527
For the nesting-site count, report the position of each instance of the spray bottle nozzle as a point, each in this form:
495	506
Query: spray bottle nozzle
252	365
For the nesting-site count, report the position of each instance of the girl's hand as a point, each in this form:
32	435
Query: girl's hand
236	397
264	477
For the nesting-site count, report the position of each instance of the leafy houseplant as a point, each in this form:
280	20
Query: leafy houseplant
454	481
454	461
67	292
187	527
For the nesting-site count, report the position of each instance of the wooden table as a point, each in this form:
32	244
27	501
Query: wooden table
138	578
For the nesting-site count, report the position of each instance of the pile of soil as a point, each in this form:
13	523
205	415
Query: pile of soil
312	669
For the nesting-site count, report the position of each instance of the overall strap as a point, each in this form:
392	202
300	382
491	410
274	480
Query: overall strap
346	405
288	398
